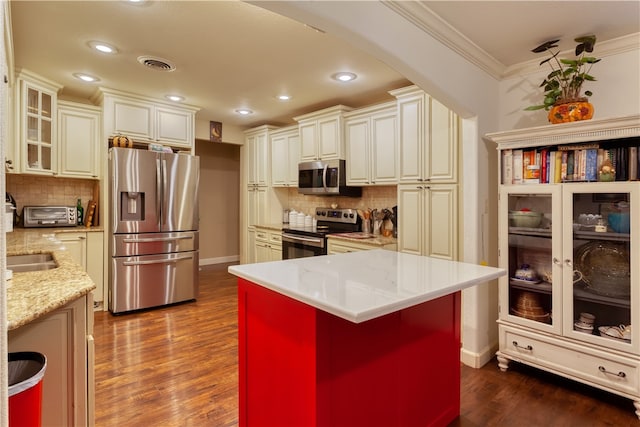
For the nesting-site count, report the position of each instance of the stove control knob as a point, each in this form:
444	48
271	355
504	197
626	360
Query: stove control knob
345	215
351	216
318	212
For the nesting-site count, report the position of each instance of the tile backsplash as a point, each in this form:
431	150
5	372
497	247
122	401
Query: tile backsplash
31	190
377	197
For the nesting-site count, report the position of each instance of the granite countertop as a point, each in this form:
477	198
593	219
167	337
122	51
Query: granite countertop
364	285
367	239
31	295
272	226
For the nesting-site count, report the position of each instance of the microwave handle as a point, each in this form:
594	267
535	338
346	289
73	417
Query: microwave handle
324	176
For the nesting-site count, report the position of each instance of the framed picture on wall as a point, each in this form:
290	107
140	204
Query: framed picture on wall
215	131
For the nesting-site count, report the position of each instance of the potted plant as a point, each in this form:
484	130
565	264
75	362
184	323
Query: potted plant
563	96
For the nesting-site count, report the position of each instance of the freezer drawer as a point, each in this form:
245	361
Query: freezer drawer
153	243
139	282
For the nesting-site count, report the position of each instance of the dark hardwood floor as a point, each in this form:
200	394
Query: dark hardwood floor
178	366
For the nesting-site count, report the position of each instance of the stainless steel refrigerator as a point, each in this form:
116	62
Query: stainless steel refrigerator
153	223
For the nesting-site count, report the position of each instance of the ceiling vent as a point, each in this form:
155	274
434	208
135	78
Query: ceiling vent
157	64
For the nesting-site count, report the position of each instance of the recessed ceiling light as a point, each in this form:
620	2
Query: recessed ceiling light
102	47
175	98
344	77
244	111
284	97
86	77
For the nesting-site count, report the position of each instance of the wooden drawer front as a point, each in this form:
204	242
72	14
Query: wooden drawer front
584	364
275	238
261	235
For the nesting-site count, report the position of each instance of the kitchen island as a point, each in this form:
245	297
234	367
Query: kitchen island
358	339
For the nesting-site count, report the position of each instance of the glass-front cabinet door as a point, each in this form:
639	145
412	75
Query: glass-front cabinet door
531	251
39	127
601	263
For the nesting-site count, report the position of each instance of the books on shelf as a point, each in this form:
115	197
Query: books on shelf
568	163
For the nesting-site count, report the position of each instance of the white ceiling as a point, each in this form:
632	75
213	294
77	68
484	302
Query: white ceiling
230	54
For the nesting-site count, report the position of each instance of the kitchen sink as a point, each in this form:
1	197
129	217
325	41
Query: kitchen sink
30	262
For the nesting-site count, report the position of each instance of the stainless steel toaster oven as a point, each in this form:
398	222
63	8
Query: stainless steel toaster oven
49	216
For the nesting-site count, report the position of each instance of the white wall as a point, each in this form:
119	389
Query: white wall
615	93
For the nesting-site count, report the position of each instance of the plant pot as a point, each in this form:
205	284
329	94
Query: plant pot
571	111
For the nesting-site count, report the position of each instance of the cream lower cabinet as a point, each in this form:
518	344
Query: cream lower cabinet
428	220
65	337
87	249
570	303
268	245
341	246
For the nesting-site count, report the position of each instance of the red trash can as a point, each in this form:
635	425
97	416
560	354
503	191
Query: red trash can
26	370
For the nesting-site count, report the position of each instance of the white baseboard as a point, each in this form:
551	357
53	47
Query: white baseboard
477	360
219	260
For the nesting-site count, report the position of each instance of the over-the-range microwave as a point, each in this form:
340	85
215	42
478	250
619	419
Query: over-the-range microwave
325	178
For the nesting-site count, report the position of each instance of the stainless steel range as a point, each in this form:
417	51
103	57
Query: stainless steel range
300	242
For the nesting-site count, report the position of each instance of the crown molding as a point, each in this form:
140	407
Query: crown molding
428	21
627	43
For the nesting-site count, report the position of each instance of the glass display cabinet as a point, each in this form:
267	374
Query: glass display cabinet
569	237
38	124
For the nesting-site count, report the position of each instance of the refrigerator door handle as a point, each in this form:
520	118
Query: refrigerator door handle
157	261
159	195
165	194
156	239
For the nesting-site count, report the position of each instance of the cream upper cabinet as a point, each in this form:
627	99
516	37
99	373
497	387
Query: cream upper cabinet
36	137
147	119
79	140
428	134
322	134
428	220
257	144
371	145
285	155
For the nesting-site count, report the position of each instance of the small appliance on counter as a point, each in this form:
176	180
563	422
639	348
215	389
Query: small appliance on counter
49	216
10	214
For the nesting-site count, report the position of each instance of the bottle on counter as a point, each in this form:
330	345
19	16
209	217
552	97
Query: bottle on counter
80	212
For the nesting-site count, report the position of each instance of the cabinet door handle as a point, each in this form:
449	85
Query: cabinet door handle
568	262
556	261
528	347
604	371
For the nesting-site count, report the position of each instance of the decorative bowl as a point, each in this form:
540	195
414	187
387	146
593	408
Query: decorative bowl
527	219
605	267
619	222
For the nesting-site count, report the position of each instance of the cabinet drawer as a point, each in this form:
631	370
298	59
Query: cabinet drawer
262	236
587	365
275	238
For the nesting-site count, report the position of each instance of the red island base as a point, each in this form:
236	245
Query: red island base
302	367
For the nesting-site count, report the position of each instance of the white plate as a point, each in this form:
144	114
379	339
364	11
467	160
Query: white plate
522	281
603	333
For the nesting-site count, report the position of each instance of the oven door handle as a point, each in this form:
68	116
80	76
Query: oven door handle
317	242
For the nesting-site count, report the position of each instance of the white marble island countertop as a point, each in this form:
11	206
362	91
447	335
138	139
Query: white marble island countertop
361	286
